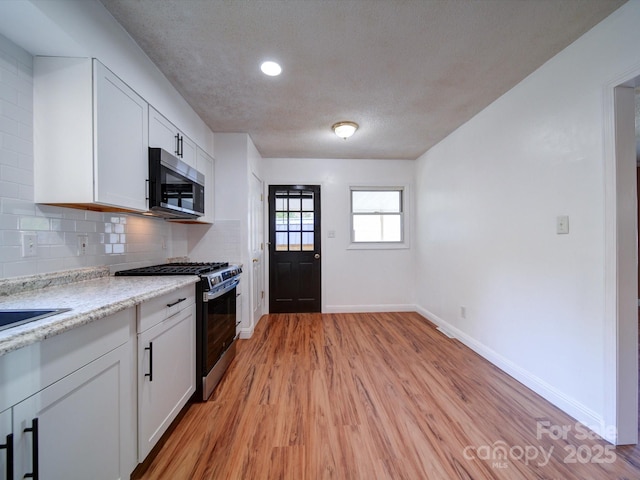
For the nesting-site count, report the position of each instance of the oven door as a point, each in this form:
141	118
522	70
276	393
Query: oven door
218	331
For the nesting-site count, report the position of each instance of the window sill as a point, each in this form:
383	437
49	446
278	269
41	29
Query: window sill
378	246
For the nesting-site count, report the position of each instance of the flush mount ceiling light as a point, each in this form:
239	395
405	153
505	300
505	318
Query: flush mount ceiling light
271	68
344	129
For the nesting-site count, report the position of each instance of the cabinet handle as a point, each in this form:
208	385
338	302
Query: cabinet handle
169	305
34	450
9	447
177	145
150	374
181	146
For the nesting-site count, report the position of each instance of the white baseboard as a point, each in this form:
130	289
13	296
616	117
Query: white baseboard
569	405
246	333
368	308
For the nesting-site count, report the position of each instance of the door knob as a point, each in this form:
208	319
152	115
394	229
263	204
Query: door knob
316	256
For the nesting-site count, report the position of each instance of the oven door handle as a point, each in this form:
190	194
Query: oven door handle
218	293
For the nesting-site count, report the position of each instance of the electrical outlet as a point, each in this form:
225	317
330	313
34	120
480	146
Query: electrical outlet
29	244
83	241
463	312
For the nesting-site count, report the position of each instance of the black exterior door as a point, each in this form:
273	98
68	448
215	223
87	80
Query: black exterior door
294	248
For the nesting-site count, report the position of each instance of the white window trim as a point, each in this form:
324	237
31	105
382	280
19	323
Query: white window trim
405	216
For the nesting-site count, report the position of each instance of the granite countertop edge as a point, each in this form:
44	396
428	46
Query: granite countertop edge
89	300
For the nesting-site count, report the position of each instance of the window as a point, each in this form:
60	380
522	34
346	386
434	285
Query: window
377	215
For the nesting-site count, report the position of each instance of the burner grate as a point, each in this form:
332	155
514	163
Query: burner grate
176	268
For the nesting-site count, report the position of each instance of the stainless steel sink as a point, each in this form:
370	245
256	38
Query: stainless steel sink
13	318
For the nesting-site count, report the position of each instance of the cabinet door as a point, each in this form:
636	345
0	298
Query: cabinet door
6	441
166	375
80	423
188	151
121	134
205	165
162	133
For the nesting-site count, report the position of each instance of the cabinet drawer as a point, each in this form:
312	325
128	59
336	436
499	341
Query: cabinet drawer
158	309
65	353
18	376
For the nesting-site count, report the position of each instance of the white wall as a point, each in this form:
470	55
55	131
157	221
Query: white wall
487	202
116	240
353	280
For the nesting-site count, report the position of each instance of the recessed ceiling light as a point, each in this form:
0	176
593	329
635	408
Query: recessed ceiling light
271	68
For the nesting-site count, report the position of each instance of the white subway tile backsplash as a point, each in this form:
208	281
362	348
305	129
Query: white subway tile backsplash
8	157
85	226
10	253
16	175
25	192
19	269
34	223
8	62
17	113
9	190
17	144
8	222
9	127
8	92
17	207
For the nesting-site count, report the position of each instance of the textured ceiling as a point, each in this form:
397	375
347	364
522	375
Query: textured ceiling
408	71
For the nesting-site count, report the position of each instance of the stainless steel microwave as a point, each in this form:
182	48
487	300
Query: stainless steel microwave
176	190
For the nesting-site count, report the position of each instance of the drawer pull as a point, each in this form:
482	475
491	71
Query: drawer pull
34	450
169	305
9	447
150	374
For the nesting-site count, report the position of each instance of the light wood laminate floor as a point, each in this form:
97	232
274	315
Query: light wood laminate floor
376	396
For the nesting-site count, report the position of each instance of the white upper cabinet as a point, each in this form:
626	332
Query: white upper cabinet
205	164
164	134
90	137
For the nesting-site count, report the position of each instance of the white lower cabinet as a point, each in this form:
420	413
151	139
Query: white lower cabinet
6	445
73	428
68	404
74	418
166	364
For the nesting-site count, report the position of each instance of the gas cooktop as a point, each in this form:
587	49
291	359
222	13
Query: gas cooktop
179	268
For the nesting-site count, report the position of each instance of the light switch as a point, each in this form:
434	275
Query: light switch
562	224
29	244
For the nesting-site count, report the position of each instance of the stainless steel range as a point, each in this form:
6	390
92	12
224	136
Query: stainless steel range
216	318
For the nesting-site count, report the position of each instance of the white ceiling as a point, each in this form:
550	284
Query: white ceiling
408	71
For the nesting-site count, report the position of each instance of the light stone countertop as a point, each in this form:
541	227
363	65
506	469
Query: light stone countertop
89	300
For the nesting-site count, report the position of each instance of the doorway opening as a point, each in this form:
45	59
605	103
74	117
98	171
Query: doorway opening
621	266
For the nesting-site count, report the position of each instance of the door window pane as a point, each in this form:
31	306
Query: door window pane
307	202
294	204
281	241
295	241
307	241
307	221
294	221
